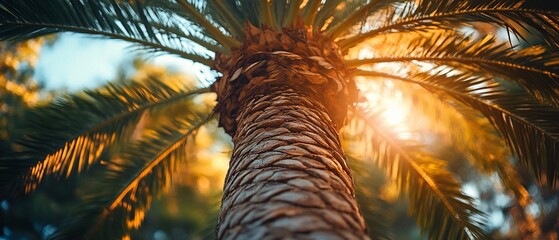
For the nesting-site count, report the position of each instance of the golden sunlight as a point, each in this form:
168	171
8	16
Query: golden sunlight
385	94
394	110
395	114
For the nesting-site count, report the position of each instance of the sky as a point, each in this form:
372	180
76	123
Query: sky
75	62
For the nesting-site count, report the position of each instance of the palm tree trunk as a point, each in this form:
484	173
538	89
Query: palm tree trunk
288	176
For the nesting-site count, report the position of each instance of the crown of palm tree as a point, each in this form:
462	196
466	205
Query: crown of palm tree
439	64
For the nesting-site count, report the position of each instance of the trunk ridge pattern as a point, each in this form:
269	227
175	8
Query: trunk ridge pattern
296	57
283	97
288	177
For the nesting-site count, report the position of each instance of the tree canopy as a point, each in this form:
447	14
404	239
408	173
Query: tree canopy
494	100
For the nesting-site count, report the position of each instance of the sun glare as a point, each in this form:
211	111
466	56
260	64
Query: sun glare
385	95
395	114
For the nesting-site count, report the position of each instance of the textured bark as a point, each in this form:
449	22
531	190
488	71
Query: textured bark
296	57
288	177
283	96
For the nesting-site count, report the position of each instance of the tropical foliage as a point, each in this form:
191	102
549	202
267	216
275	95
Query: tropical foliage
474	90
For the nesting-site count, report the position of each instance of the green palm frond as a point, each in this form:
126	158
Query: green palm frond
326	11
436	200
194	14
292	11
145	170
268	14
369	182
274	14
227	14
345	18
284	13
280	9
536	69
529	128
143	23
357	16
523	18
72	133
231	15
309	11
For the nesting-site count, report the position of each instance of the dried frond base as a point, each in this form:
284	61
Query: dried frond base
295	57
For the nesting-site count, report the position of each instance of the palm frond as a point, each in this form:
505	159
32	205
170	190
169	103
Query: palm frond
359	15
343	18
309	11
143	171
227	14
268	14
369	182
326	11
195	14
72	133
292	12
530	129
454	125
523	18
436	200
130	21
536	68
477	139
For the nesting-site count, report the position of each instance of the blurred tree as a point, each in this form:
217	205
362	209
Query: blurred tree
285	83
17	89
54	203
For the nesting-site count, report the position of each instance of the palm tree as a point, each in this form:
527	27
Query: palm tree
287	79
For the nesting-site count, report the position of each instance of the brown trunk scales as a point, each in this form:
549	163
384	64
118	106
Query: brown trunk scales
283	97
